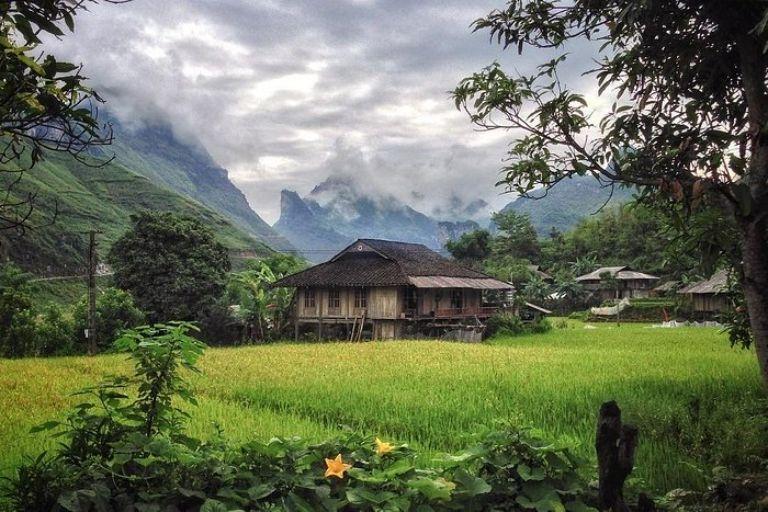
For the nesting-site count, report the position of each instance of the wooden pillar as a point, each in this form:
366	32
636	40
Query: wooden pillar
320	314
92	334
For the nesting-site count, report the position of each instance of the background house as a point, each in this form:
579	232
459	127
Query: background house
709	296
537	271
392	289
626	283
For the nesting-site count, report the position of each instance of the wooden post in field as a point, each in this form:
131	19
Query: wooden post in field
92	335
615	444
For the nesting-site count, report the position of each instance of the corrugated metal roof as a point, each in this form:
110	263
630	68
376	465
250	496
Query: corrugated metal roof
622	273
718	283
538	308
458	282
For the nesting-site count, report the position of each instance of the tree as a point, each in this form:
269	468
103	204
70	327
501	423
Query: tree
44	103
472	247
688	125
115	312
536	289
571	291
265	309
172	265
517	236
17	320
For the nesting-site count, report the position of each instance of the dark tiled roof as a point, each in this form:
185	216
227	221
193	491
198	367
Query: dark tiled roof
419	260
392	265
349	270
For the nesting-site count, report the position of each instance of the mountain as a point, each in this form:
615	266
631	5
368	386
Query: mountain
306	230
339	210
567	203
152	150
73	198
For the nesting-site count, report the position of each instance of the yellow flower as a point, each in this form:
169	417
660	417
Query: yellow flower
382	447
336	467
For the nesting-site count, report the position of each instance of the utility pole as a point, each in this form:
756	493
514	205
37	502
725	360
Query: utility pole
92	337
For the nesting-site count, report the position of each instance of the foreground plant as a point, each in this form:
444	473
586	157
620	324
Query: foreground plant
124	448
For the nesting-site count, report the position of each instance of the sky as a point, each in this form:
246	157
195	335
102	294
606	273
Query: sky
285	93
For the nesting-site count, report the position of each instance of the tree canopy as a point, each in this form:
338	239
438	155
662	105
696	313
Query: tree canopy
45	104
687	126
172	265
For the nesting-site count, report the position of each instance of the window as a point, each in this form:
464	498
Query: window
361	298
457	299
309	298
411	300
334	299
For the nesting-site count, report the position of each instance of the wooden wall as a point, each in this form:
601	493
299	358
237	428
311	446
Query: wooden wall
383	302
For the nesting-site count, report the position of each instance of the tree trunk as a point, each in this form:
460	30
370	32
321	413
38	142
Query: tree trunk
755	257
754	226
615	445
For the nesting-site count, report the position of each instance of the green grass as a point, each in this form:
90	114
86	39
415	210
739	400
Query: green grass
697	402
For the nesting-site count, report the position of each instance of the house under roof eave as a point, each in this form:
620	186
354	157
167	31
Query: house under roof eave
397	289
623	273
716	284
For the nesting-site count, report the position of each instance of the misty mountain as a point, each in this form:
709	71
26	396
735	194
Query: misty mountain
567	203
184	166
338	211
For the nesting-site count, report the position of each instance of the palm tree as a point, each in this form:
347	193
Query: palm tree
570	290
536	289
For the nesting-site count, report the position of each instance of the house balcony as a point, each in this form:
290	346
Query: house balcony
467	312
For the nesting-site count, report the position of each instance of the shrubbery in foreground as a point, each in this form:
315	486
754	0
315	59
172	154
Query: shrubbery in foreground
124	448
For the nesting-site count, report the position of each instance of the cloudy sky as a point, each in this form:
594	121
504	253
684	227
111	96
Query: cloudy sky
284	93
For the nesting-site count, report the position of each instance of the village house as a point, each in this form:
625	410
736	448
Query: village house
709	296
537	271
628	283
391	290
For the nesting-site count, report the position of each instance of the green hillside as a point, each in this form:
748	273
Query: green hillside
101	198
567	203
155	152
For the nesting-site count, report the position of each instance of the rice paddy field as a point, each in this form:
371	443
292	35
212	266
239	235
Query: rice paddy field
697	401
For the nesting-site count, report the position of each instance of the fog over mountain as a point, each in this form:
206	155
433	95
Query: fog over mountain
284	94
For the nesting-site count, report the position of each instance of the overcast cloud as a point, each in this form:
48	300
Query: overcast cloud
284	93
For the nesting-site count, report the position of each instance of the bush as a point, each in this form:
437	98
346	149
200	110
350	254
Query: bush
122	453
17	320
579	315
115	312
55	333
540	326
508	324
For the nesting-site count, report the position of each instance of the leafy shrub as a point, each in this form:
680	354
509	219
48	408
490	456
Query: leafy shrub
579	315
504	324
55	332
17	320
508	324
122	453
539	326
115	312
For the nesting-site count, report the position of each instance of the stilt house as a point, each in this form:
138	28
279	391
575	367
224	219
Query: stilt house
392	289
629	284
710	296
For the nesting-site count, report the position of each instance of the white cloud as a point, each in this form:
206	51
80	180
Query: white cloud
270	88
